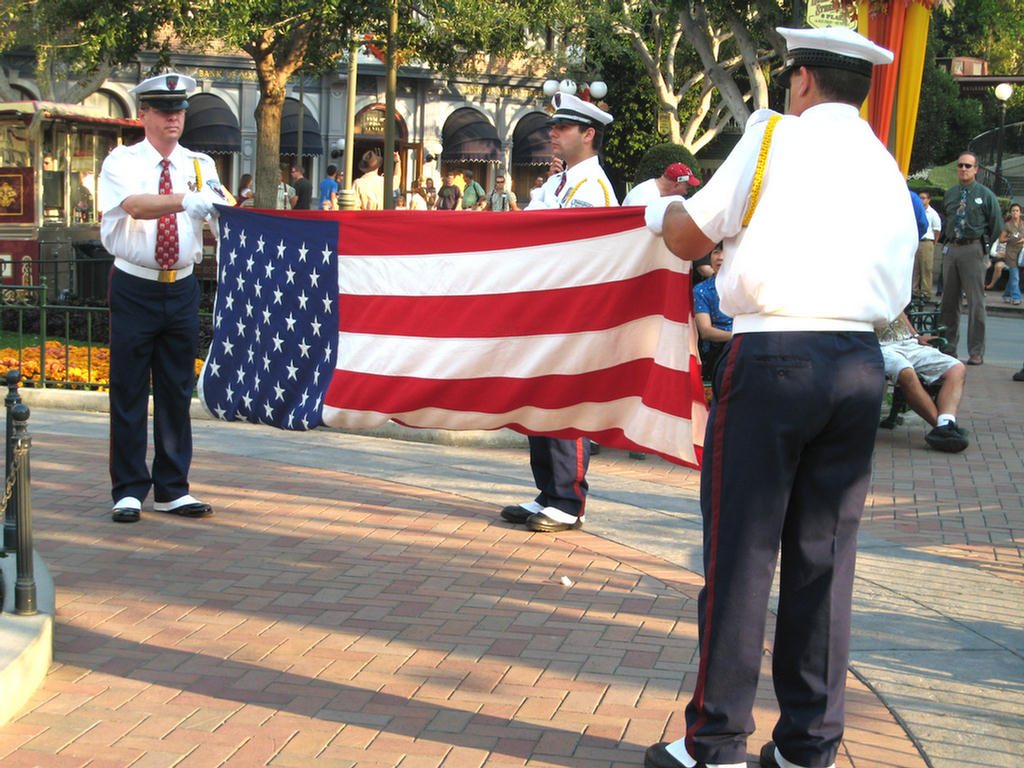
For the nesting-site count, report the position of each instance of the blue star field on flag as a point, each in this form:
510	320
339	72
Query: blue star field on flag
275	319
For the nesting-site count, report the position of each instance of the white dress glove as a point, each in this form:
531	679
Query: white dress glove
654	216
215	194
197	205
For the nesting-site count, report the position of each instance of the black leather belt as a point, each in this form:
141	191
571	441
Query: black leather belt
966	242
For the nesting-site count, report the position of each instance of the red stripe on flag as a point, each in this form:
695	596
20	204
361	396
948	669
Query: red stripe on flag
562	310
423	232
409	233
659	387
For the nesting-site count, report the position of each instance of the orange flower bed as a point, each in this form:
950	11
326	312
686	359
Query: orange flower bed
64	364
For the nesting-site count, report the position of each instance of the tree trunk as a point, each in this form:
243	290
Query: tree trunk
268	152
276	60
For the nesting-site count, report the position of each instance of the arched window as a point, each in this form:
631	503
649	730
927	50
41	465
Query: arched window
109	104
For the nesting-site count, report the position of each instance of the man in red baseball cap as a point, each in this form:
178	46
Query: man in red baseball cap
677	180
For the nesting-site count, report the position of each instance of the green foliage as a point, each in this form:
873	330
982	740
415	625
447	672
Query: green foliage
89	31
928	185
944	176
631	100
659	157
945	121
448	34
77	42
987	29
703	62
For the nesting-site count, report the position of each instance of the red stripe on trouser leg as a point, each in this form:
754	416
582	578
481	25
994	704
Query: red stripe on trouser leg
579	475
718	427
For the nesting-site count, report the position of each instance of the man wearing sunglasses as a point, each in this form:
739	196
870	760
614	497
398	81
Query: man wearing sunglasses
973	221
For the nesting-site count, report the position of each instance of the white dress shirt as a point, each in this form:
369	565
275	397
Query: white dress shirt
135	170
793	267
586	186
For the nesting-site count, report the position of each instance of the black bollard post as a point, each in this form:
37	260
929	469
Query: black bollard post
21	498
12	378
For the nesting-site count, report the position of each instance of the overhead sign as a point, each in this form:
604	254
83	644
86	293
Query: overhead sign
826	13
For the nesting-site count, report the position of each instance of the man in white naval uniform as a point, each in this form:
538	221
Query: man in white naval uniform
560	466
796	401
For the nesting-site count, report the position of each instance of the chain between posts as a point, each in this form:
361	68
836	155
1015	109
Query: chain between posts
20	452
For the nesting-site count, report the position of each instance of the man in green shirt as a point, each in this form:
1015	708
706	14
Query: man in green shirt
973	221
473	195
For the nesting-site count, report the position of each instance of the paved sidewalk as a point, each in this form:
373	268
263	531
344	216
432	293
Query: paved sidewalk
356	601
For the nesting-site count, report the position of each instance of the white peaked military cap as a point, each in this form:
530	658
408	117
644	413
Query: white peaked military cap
832	48
167	92
574	110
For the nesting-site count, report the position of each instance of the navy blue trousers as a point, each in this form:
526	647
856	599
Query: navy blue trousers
787	462
560	472
154	335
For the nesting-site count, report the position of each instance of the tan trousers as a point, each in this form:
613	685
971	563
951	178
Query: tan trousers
923	268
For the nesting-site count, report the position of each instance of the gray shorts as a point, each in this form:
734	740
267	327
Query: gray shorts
928	362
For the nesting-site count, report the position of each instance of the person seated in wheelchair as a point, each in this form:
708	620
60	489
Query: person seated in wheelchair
713	326
912	362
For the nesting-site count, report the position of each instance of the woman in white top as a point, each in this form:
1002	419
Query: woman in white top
417	199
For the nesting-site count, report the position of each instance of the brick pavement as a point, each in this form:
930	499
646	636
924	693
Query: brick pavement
327	618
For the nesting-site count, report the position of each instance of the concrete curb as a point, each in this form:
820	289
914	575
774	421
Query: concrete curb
99	402
26	642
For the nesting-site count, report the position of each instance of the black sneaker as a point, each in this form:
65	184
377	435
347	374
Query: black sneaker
1019	375
948	438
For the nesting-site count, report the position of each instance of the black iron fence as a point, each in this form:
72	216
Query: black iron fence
63	341
986	147
1001	184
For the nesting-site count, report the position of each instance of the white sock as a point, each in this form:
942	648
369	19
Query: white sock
945	418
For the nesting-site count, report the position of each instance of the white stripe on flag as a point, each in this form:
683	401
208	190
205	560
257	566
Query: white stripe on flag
668	343
588	261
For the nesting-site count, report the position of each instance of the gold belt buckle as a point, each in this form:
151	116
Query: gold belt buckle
167	276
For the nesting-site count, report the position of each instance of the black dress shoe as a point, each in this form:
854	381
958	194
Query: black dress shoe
199	509
543	524
657	756
125	515
767	757
516	514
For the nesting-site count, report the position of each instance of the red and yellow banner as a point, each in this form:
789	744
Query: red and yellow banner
902	27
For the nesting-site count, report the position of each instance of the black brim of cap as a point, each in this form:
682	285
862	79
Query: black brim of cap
166	104
567	120
811	57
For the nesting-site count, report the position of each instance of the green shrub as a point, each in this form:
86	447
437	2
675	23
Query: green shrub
659	157
926	185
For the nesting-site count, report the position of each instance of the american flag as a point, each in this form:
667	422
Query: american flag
564	323
275	320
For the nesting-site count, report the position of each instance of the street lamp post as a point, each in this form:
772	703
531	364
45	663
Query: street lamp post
1003	92
347	197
